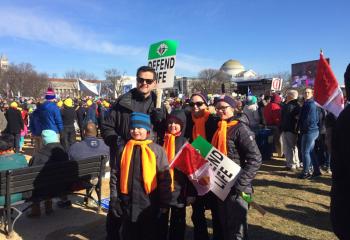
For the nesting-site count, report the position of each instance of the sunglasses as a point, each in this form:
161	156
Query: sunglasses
223	108
142	80
198	104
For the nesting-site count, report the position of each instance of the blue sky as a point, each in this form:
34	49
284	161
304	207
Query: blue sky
94	35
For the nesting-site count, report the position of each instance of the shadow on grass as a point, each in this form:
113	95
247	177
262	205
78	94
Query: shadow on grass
292	186
304	215
260	233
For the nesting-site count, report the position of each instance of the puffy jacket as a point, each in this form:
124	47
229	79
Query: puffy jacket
242	149
309	117
50	117
289	115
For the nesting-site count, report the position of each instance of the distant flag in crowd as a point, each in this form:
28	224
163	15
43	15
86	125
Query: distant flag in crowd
189	161
249	92
327	92
84	86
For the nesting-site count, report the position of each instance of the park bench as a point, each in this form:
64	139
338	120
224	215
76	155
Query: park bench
49	181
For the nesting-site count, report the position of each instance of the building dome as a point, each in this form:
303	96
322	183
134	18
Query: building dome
232	67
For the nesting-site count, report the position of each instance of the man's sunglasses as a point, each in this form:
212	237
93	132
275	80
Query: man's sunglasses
198	104
142	80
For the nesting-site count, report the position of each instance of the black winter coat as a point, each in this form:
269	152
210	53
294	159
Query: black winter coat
242	149
81	113
49	153
137	200
340	165
68	116
117	123
14	121
289	114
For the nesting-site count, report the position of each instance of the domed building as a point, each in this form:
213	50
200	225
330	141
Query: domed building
236	70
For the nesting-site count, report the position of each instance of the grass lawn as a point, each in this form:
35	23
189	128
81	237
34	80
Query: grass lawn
297	209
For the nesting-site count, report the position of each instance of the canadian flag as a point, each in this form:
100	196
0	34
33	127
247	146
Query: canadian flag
327	92
189	161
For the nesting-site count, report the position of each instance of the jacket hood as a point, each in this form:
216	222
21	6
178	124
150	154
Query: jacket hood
242	118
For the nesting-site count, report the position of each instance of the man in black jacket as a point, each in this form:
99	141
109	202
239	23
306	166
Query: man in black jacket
14	124
340	165
116	127
289	118
68	113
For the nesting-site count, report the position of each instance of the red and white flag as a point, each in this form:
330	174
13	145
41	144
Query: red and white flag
189	161
327	92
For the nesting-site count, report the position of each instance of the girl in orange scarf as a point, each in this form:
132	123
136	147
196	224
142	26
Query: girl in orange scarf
140	184
172	143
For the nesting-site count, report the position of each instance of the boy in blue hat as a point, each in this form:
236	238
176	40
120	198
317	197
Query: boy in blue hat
140	184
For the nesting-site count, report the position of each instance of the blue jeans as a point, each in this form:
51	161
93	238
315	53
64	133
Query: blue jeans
307	152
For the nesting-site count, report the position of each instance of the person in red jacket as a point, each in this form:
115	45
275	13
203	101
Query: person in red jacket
272	116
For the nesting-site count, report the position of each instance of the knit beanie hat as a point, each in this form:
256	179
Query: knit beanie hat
205	99
49	136
224	98
179	117
50	94
251	100
68	102
59	104
140	120
14	105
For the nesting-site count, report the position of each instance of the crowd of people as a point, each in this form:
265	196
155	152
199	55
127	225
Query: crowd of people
147	198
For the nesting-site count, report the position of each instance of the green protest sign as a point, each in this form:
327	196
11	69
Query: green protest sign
162	58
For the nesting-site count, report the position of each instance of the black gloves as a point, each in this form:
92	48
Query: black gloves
115	206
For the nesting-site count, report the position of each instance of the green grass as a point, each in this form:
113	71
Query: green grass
296	209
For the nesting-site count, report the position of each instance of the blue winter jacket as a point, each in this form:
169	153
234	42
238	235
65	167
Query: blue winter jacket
50	117
34	123
309	117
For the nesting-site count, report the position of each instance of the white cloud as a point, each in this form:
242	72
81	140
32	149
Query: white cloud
32	25
24	24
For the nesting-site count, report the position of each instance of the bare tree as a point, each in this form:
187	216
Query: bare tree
285	75
211	81
24	80
74	75
113	75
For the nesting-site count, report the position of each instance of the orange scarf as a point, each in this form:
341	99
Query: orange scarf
199	125
219	138
148	161
6	152
169	146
